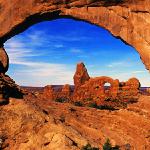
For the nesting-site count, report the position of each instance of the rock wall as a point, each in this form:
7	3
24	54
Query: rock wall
128	20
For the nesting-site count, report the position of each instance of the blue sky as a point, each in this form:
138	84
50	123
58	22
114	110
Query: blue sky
47	53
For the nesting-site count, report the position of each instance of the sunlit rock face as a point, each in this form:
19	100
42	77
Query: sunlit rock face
128	20
94	89
81	75
87	90
52	94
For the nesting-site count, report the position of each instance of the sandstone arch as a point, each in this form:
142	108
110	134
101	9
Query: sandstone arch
100	81
128	20
114	85
94	89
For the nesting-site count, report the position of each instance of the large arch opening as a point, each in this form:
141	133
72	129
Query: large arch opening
88	43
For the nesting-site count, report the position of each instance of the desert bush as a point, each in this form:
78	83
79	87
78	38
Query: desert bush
61	100
89	147
78	103
101	107
107	146
93	105
106	107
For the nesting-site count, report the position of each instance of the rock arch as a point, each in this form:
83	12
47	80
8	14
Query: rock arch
127	19
114	85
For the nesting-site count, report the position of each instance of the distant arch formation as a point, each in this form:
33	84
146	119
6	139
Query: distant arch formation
127	20
88	89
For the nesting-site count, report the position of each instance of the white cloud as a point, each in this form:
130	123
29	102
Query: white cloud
36	36
138	71
42	36
36	73
76	51
40	74
119	64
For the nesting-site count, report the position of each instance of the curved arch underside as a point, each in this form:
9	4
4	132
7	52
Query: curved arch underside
128	20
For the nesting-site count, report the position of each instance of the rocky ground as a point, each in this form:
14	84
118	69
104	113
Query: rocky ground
37	124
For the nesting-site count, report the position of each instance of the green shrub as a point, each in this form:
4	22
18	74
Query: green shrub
89	147
106	107
107	146
78	103
93	105
101	107
60	100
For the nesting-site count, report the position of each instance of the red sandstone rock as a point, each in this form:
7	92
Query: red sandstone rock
66	88
4	61
51	94
92	90
66	91
81	75
64	94
48	92
132	87
133	83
